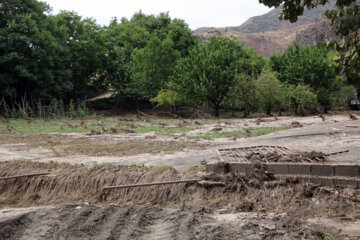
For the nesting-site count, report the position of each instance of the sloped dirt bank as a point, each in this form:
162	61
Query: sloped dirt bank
80	209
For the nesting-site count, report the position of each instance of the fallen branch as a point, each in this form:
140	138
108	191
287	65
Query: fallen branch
151	184
351	126
25	175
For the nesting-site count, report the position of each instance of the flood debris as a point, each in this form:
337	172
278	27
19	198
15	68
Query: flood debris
266	154
352	116
25	175
275	156
296	124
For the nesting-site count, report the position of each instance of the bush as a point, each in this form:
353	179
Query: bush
168	98
343	97
301	98
269	92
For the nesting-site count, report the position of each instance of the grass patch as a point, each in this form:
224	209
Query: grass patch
63	125
247	132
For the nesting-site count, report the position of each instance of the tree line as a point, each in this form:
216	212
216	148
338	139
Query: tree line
154	60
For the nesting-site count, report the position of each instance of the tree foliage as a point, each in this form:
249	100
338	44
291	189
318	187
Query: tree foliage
307	66
269	91
45	56
345	19
142	51
209	73
301	97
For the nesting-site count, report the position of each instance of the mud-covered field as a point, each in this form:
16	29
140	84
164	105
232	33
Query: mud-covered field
70	203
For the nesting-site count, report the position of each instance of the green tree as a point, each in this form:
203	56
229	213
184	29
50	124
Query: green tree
46	56
307	66
243	95
23	65
141	53
151	67
86	51
269	91
120	41
345	19
301	98
343	97
209	73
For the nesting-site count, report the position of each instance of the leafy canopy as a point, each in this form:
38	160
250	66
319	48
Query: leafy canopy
209	73
307	66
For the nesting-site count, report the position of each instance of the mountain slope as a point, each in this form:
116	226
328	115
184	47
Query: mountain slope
270	21
267	34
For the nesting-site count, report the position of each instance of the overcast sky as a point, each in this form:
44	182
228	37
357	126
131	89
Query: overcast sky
197	13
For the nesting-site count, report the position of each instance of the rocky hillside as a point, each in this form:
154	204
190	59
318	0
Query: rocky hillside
267	34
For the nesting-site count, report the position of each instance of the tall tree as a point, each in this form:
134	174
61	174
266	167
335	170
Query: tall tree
141	53
151	67
208	74
307	66
83	40
21	37
46	56
269	91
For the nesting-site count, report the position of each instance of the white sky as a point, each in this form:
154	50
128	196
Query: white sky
197	13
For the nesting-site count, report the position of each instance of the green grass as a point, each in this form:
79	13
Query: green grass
66	125
248	132
49	126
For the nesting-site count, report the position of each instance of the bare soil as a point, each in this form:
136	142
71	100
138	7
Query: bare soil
246	208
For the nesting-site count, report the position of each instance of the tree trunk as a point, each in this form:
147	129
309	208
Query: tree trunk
326	110
296	109
216	110
268	111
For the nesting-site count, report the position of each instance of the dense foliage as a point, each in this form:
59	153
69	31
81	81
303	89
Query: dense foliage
48	62
209	73
307	66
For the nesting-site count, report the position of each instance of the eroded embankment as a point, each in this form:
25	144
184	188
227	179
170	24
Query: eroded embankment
287	205
78	184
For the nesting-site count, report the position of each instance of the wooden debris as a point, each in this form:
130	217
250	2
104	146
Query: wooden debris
352	116
351	126
25	175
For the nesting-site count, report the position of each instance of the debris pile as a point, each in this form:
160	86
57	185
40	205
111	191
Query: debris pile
275	156
266	154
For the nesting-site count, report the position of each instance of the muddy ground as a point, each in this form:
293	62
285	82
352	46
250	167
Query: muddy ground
333	133
70	203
